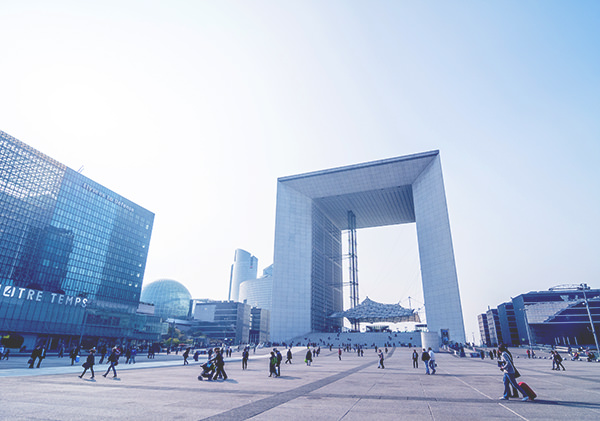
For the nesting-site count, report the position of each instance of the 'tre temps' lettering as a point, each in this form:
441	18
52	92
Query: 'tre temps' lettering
27	294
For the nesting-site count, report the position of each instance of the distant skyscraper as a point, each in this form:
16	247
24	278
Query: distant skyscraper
508	324
244	267
494	327
258	292
484	330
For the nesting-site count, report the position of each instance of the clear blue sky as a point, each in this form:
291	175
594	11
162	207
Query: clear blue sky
193	109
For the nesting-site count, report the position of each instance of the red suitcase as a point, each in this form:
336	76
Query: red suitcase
530	393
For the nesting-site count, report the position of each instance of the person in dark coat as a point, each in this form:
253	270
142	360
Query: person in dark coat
41	356
308	357
272	365
102	353
89	363
35	354
425	359
73	354
380	355
279	357
113	359
415	358
219	364
245	356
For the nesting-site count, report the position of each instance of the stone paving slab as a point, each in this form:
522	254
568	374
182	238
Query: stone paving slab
350	389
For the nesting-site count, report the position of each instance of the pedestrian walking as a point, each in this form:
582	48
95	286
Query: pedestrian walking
380	365
73	354
245	356
425	359
415	358
103	352
41	355
272	365
113	359
288	357
278	364
134	352
186	355
219	364
35	354
431	360
509	374
89	363
308	358
340	354
558	361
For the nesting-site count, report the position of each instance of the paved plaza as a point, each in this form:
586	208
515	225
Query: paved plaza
350	389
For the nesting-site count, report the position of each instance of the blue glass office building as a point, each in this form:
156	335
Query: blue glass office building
72	254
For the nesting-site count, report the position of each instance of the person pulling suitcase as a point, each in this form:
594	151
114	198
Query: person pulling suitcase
510	374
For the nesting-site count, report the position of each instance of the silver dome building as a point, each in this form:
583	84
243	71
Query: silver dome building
170	298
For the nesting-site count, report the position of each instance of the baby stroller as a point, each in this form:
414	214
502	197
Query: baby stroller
208	371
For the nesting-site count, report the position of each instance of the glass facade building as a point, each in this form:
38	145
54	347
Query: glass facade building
557	317
484	330
553	317
222	321
72	253
494	327
508	324
259	325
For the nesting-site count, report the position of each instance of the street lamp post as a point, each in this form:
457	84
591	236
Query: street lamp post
524	310
583	288
85	316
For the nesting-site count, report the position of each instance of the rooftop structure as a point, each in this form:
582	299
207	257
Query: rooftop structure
373	312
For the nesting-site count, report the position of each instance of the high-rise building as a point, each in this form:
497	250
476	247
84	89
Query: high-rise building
222	321
244	267
258	292
72	253
494	327
508	324
484	330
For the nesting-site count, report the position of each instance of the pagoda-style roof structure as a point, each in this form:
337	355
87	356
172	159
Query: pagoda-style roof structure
370	311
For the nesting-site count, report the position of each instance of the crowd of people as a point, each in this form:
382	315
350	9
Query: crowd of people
214	367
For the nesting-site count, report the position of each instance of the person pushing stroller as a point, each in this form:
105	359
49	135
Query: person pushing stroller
208	371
